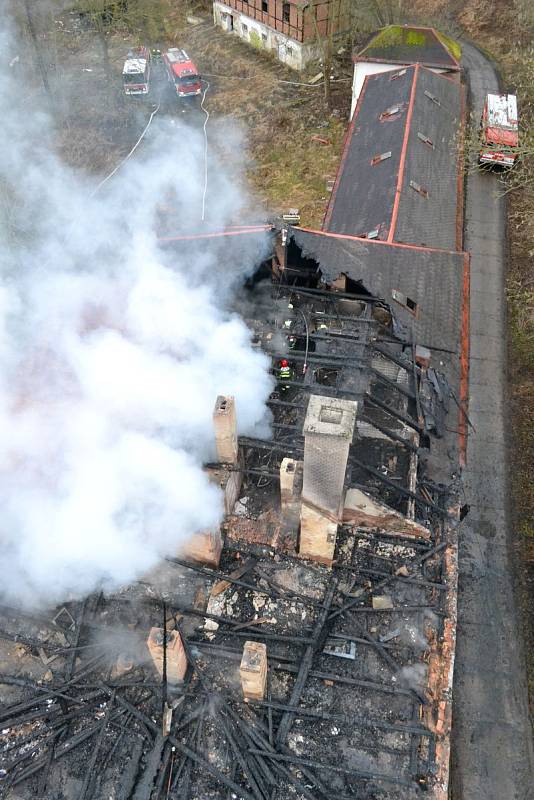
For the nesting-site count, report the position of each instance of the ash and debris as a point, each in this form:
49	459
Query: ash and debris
76	696
355	695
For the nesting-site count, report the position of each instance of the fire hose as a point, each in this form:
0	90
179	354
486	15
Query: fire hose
132	151
207	113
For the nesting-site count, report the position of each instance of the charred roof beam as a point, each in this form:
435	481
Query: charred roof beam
394	385
332	296
388	432
371	398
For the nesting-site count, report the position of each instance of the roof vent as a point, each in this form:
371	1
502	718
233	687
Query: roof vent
381	157
418	188
391	112
397	75
405	301
425	139
432	97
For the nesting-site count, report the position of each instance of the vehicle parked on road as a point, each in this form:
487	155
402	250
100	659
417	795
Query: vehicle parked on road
136	71
182	73
499	132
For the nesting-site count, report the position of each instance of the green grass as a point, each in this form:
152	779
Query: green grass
292	171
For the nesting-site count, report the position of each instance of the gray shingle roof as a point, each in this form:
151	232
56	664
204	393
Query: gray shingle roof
417	139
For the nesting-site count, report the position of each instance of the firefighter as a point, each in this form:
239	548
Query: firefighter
285	374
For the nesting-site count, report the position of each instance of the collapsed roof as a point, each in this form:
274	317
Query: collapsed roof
425	286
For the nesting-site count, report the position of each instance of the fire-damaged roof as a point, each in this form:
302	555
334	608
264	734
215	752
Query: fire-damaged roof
432	279
358	652
398	176
403	44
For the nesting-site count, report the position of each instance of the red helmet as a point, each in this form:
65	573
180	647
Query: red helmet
284	363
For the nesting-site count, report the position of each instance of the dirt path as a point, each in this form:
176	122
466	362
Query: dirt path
492	755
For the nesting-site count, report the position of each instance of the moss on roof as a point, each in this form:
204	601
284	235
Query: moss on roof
451	44
410	44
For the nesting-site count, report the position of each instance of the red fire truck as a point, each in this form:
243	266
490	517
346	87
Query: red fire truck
499	130
182	73
136	71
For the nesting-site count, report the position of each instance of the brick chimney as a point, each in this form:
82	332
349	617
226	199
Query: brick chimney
328	432
225	424
204	547
290	483
176	658
253	670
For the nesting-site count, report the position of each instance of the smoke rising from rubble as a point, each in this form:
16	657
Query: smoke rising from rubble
413	676
112	354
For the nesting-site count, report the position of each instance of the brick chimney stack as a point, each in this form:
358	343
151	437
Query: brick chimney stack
176	658
328	432
225	424
253	670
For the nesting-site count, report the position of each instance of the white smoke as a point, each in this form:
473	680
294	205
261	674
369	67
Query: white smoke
112	353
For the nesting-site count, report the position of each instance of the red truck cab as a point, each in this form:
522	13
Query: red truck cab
136	71
182	73
499	131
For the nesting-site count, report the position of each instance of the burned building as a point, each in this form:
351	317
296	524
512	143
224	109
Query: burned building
306	648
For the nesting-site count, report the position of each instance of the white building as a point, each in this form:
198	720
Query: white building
290	30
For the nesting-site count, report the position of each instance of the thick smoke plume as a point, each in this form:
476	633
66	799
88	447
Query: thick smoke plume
112	353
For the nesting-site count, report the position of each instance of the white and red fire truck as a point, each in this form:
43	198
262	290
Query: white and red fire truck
136	71
499	131
182	73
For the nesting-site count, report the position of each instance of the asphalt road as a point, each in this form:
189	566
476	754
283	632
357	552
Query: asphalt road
492	740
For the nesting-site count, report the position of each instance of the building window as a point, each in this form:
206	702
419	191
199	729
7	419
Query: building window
244	29
285	12
289	51
264	38
265	6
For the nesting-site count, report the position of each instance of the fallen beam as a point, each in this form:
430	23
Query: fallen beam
350	719
307	762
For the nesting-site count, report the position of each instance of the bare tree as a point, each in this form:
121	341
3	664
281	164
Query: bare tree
337	23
